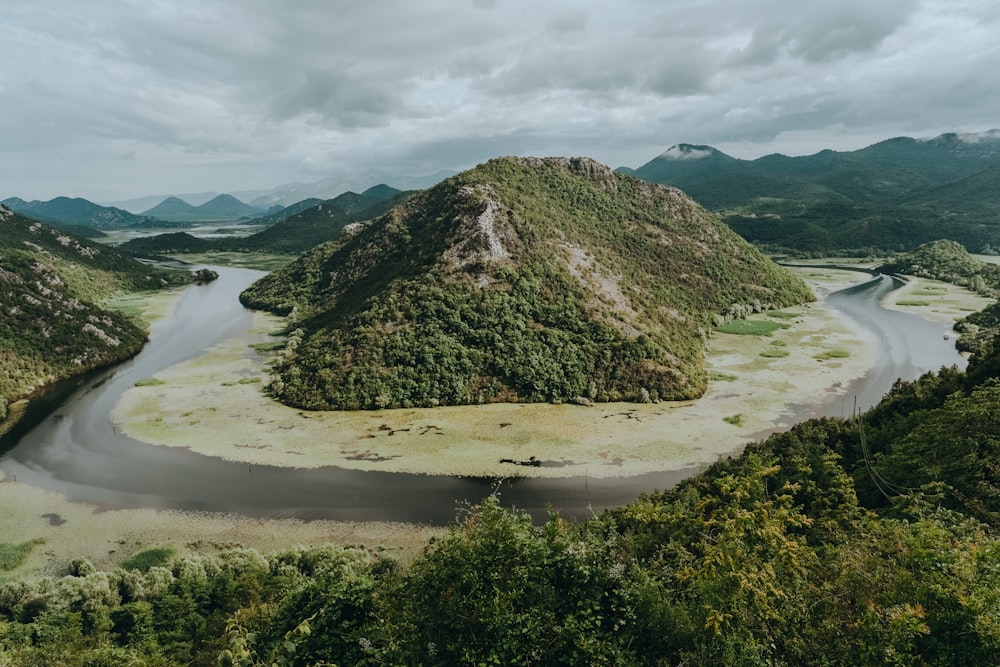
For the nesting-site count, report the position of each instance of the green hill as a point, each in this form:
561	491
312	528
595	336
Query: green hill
167	244
50	283
519	280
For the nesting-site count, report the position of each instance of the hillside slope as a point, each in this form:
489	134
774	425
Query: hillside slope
51	328
523	279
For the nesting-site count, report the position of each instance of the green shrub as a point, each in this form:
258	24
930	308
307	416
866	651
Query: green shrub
833	354
751	327
144	560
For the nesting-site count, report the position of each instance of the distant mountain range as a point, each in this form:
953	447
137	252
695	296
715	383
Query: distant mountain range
292	193
291	230
893	195
77	215
219	208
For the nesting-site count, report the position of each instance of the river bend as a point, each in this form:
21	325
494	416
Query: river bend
74	449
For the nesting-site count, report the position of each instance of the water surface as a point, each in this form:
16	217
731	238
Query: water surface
74	448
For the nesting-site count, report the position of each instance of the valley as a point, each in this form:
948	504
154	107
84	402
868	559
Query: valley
181	459
212	405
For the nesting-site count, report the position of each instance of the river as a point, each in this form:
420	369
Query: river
73	448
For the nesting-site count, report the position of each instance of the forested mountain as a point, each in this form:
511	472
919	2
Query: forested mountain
519	280
890	196
51	327
868	541
66	213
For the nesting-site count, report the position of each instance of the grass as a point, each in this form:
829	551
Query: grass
837	353
253	380
149	382
912	302
782	314
247	260
268	347
144	560
718	376
12	555
735	420
774	353
752	327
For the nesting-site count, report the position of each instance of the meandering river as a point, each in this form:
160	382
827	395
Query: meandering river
70	445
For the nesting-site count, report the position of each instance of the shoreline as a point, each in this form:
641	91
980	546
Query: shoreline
108	536
215	405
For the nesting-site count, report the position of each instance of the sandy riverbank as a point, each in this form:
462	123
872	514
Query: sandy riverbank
215	405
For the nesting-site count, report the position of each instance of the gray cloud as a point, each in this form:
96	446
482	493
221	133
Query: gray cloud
238	94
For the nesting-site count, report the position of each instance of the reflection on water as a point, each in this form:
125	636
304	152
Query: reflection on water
74	449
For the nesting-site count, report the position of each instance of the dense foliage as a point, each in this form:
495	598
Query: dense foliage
520	280
892	196
50	325
868	541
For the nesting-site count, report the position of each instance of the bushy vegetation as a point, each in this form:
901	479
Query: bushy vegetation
867	541
520	280
51	327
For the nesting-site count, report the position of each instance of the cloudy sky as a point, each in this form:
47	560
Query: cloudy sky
112	99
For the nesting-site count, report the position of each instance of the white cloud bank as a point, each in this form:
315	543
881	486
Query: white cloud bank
116	98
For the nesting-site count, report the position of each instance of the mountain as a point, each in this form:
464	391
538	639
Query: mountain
893	195
333	186
171	208
226	206
218	209
523	279
140	204
50	285
65	212
291	231
320	222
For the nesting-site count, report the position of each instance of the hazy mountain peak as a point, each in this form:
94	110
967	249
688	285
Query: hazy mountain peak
979	137
688	152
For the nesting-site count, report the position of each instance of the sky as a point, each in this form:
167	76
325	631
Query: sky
114	99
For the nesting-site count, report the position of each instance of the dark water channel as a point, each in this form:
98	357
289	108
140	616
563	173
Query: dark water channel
69	445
